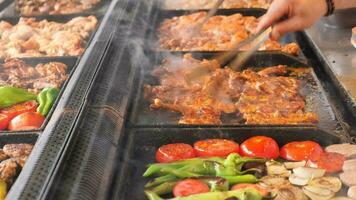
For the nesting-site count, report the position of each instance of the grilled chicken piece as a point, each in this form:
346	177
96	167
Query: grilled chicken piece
3	156
17	150
31	38
8	171
219	33
52	7
207	4
20	160
17	73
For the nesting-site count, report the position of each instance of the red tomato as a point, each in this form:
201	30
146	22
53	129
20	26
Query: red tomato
331	162
298	151
26	120
189	187
174	152
261	190
215	147
260	146
4	122
13	111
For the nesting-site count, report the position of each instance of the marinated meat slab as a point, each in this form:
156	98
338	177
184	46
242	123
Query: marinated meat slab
219	33
32	38
17	150
15	72
15	156
207	4
202	91
53	7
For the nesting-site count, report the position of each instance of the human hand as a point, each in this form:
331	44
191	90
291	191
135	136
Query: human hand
300	14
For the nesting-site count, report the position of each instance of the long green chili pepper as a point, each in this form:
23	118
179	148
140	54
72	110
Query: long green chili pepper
247	178
152	195
160	180
164	188
11	95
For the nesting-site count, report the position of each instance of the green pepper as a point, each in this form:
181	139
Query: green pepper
242	194
3	189
46	99
11	95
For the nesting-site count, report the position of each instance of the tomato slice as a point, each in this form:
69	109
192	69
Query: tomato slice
25	121
4	122
331	162
260	146
261	190
174	152
298	151
215	147
189	187
13	111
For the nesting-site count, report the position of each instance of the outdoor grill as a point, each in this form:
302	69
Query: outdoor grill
101	133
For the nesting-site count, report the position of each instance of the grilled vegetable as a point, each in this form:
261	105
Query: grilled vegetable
276	168
289	192
189	187
3	189
298	151
243	194
10	96
261	190
308	173
300	181
46	99
331	162
317	193
216	184
260	146
215	147
17	109
4	122
229	168
292	165
26	121
331	183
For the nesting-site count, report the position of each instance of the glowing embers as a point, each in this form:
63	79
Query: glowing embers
219	33
202	92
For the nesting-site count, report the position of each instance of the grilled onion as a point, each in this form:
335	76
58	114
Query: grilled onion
331	183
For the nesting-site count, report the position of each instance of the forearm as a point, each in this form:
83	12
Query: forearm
344	4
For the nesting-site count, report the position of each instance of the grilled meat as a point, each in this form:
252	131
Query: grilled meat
15	72
17	150
8	171
202	92
53	7
219	33
207	4
31	38
3	156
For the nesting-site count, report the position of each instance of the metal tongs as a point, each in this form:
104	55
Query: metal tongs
255	42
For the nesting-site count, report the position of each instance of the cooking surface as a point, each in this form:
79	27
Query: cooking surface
336	47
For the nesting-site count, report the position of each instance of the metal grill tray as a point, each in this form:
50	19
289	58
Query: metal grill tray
100	8
143	116
141	145
160	15
71	62
15	139
59	19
